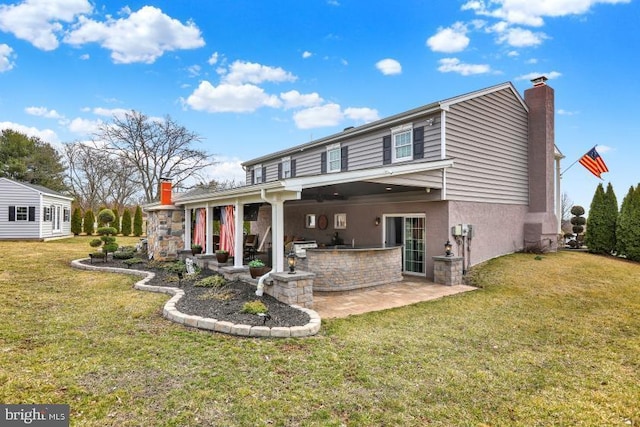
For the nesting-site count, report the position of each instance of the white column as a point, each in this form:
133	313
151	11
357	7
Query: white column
187	229
277	235
209	219
239	237
558	196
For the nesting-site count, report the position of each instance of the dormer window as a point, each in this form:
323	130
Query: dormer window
402	140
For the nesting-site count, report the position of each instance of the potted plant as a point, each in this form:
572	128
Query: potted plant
222	256
196	249
257	268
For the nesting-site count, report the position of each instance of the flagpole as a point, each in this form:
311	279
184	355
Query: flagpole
569	167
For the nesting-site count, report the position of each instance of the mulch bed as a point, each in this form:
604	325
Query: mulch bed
221	304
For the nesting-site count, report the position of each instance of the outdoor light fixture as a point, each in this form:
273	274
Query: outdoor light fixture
447	248
377	221
291	260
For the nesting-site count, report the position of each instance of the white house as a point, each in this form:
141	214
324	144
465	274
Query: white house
33	212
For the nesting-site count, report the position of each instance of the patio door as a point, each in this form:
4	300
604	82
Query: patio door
408	231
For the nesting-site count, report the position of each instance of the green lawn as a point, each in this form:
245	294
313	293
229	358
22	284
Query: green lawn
544	342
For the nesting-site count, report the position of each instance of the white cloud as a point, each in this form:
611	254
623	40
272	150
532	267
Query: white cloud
226	169
244	98
83	126
213	59
532	13
45	135
43	112
6	55
450	39
294	99
321	116
306	54
453	65
389	66
530	76
110	112
142	36
194	70
40	21
520	37
603	148
562	112
249	72
366	115
532	61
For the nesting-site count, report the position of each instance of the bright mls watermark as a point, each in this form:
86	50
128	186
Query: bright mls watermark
34	415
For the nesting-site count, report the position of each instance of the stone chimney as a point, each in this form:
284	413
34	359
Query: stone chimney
541	222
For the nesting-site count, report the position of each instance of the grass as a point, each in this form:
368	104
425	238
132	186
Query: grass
554	341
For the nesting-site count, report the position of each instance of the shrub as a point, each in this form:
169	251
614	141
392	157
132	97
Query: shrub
76	221
106	217
89	219
123	254
116	221
137	222
215	281
110	247
131	261
106	231
254	307
603	214
95	243
126	223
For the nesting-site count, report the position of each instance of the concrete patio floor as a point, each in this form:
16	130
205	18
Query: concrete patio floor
410	291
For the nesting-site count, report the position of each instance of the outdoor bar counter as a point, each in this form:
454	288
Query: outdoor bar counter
344	268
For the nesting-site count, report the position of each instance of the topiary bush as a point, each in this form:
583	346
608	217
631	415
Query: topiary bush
126	223
89	220
76	221
137	222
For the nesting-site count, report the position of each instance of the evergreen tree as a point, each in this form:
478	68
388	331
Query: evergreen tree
76	221
116	220
126	222
578	222
628	231
611	202
623	222
137	222
89	219
596	236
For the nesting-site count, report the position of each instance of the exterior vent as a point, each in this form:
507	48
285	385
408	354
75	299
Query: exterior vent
539	81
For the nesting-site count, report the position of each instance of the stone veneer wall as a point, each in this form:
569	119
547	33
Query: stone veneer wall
348	269
165	233
447	270
292	289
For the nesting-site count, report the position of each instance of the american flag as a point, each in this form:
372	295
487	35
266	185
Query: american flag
593	162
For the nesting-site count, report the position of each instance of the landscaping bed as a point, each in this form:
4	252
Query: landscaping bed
224	303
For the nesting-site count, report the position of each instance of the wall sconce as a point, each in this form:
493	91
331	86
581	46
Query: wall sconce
447	248
292	260
377	221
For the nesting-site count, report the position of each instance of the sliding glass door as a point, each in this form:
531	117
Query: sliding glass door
408	231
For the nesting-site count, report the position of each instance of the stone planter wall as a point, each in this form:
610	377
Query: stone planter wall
165	233
292	289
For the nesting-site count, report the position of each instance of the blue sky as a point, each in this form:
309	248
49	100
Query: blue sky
253	77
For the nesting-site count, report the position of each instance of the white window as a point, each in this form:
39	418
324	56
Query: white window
257	174
22	213
286	167
333	158
55	210
402	141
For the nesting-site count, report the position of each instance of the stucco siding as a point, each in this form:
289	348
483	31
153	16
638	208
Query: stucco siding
487	139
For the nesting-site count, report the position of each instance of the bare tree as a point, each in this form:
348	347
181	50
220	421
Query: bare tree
566	204
155	149
96	178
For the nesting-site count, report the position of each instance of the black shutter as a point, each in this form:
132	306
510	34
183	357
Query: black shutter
293	168
12	213
323	162
264	174
279	171
418	143
253	176
344	159
32	213
386	150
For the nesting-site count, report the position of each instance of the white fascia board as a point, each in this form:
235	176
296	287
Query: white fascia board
244	195
365	174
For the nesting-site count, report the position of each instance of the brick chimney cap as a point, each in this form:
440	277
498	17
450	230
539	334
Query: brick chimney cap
539	81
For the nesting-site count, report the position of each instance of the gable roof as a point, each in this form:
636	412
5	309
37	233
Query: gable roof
39	189
390	121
